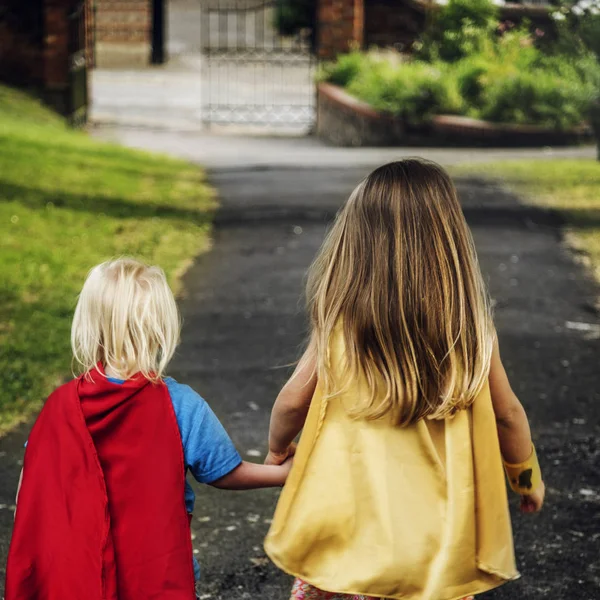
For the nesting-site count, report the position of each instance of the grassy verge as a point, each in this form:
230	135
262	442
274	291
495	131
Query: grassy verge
68	202
571	187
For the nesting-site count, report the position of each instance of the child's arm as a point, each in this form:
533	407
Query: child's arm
291	407
513	427
249	476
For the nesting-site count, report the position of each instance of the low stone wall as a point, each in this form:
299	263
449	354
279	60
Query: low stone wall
345	121
451	129
342	120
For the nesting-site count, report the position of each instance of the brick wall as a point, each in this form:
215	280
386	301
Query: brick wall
35	49
90	33
340	26
55	51
123	32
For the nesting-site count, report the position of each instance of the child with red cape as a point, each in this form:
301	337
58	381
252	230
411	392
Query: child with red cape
103	507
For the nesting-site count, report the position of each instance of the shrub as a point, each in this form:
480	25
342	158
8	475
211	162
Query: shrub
459	29
538	97
345	69
415	91
585	69
474	69
471	75
589	30
577	24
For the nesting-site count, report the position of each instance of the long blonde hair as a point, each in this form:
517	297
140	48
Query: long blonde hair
398	274
126	319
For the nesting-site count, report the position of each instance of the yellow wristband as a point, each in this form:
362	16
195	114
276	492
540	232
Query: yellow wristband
525	477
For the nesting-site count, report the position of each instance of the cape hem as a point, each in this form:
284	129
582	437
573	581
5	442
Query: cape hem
479	589
492	571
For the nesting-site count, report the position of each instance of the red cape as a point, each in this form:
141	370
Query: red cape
101	513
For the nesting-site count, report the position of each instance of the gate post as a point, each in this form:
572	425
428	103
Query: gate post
340	26
158	32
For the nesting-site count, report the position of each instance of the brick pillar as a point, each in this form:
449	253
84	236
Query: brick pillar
340	26
56	52
123	33
90	33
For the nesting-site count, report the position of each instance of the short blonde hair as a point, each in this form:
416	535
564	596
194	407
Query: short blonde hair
126	319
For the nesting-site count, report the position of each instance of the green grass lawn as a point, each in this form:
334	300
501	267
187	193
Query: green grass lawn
68	202
571	187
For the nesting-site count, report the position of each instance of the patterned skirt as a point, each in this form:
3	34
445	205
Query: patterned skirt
305	591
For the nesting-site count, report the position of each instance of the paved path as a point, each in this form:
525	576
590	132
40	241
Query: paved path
244	323
227	148
243	320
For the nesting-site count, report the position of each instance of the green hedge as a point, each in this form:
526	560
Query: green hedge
415	91
468	70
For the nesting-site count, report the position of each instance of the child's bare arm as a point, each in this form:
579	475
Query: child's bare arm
249	476
511	419
513	426
291	407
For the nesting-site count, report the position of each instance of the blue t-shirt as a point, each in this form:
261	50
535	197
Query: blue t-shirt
208	451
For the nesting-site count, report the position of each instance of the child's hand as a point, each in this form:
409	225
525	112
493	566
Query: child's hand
532	503
278	458
287	465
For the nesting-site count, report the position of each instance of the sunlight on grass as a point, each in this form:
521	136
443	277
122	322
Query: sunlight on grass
68	202
571	187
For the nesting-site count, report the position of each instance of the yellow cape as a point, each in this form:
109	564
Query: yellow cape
414	513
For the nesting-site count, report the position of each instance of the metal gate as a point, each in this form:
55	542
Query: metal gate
77	100
252	74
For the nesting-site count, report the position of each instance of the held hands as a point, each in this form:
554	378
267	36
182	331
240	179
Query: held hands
278	458
532	503
287	465
283	459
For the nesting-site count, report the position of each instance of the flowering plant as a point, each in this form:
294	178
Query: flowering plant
580	8
577	23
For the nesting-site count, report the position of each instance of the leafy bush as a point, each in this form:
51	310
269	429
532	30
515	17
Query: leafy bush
577	24
473	70
498	86
537	96
584	69
460	28
474	67
345	69
589	30
415	91
471	76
